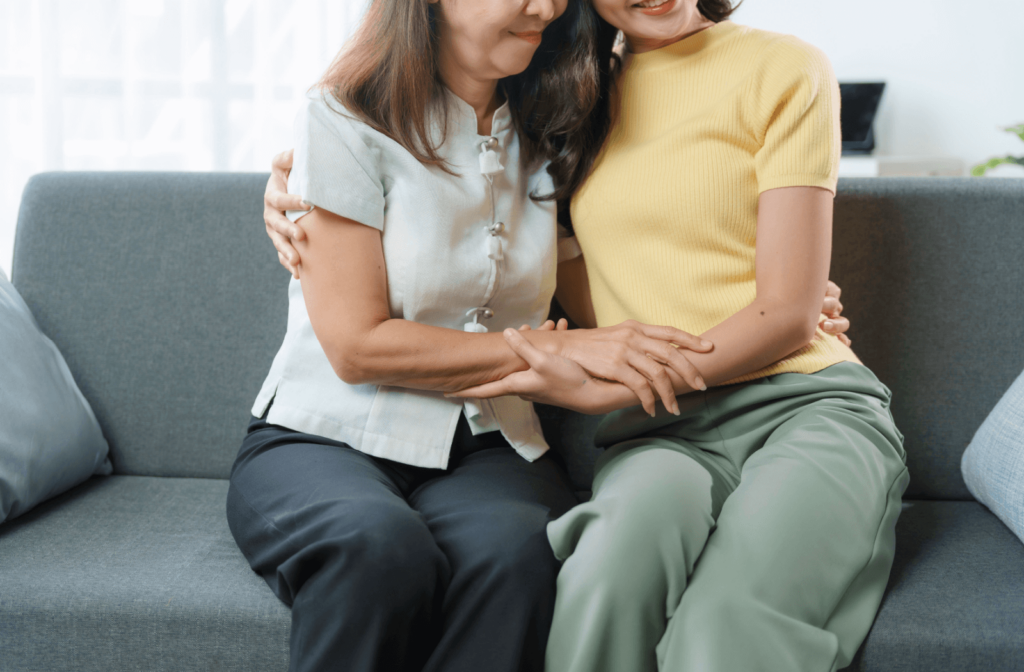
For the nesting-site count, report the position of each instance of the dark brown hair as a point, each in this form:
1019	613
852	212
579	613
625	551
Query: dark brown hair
388	77
577	152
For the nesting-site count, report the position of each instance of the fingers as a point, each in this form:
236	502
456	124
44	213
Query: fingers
641	387
291	269
666	354
845	340
286	253
282	201
832	307
522	347
658	379
284	226
563	325
836	326
833	290
673	335
283	162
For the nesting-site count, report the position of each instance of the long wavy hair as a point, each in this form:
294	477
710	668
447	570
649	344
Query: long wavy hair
388	76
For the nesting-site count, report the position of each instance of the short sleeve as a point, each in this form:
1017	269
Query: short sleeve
334	169
798	97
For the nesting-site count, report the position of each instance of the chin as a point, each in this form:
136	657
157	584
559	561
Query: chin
513	64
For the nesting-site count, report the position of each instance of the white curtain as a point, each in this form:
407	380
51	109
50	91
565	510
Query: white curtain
154	84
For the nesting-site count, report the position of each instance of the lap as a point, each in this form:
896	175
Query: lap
292	491
493	504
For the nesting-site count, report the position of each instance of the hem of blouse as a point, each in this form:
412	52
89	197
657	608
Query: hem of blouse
375	445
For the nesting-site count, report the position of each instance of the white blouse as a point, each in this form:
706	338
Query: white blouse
470	251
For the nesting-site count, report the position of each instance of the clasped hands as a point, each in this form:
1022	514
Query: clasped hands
585	370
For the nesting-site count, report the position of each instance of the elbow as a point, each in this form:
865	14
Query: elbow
804	326
805	329
351	366
353	357
798	326
351	372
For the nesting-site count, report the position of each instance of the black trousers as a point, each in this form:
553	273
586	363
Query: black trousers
389	567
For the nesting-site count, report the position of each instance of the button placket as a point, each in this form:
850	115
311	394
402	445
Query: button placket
490	165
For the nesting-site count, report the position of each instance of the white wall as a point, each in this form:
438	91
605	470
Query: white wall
955	76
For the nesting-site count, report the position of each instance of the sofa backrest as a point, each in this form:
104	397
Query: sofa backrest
933	272
167	300
163	294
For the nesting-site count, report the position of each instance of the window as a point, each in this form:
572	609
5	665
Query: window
155	84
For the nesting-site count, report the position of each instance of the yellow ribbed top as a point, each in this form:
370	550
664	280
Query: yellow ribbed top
668	219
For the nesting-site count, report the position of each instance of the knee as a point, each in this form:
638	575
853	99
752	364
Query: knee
514	552
705	613
387	558
636	556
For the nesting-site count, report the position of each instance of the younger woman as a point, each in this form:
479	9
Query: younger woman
756	531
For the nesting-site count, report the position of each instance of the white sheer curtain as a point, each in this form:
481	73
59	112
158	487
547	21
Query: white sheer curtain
154	84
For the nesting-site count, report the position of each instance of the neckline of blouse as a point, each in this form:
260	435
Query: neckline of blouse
688	46
463	114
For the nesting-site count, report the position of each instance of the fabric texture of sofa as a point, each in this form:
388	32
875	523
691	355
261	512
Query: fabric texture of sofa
168	304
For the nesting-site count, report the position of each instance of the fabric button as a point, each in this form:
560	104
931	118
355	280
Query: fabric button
489	163
494	249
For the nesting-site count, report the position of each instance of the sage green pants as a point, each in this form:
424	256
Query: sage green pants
754	532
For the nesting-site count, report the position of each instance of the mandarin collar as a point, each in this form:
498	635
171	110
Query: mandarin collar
463	116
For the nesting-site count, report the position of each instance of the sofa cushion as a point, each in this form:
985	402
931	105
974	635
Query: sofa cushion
135	573
49	438
993	465
955	601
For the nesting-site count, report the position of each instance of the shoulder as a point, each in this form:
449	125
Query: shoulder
328	132
786	58
322	113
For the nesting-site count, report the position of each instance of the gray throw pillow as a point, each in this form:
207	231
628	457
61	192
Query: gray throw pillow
49	438
993	465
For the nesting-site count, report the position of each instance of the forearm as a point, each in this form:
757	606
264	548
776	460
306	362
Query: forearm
418	356
755	337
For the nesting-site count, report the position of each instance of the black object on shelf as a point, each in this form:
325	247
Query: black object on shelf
859	106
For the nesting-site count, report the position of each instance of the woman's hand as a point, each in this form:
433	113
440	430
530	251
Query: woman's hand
276	200
634	354
551	379
835	324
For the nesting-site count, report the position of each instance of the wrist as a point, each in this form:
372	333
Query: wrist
548	342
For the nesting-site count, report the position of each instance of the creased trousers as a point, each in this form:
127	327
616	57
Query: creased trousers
754	532
393	568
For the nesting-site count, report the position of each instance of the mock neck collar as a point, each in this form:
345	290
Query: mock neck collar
688	46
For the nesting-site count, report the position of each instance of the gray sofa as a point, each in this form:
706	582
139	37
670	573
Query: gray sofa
164	295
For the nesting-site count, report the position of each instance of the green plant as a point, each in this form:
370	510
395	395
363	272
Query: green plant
983	168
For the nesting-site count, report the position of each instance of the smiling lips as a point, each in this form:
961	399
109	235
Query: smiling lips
531	36
654	7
